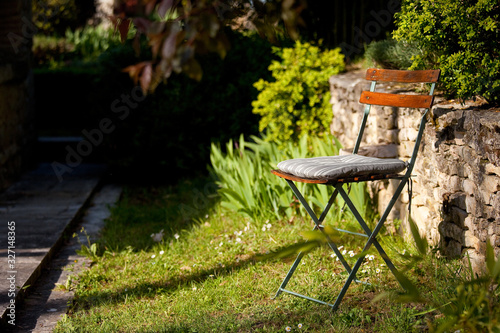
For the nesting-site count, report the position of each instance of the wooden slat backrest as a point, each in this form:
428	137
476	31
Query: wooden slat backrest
396	100
391	75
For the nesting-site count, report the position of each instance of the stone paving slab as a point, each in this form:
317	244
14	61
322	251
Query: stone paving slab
42	208
47	301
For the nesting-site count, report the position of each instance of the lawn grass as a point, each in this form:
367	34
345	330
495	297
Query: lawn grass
204	275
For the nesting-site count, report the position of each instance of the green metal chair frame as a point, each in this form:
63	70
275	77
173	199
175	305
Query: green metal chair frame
368	98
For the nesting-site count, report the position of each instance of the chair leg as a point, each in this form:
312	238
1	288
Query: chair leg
370	234
373	234
318	222
289	274
318	225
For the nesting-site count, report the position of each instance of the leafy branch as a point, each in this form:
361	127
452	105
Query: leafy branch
177	30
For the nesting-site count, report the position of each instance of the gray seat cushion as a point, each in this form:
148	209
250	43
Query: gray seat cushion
342	166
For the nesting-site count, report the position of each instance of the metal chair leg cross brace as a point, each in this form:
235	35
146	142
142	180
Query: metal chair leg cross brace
345	169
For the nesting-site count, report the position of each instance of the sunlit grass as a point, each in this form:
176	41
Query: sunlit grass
203	275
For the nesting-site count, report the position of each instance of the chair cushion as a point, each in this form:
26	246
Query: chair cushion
342	166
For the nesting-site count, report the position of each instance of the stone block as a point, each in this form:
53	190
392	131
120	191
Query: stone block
495	202
446	163
451	230
490	184
459	137
470	203
492	169
458	200
468	186
408	134
489	212
389	111
458	216
405	149
454	184
391	136
386	123
453	249
470	223
471	241
494	240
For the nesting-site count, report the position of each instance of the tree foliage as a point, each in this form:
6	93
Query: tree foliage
297	101
177	30
459	37
56	16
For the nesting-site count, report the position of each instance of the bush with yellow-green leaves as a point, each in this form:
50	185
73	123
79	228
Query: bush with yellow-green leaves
296	103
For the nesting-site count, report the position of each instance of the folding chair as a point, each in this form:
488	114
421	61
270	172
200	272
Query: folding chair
344	169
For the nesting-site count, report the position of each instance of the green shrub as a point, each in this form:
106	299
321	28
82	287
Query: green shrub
247	185
390	54
51	51
459	37
56	16
90	42
297	101
81	45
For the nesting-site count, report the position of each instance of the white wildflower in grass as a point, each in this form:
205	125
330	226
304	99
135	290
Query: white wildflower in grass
206	216
351	254
264	228
340	247
299	325
288	329
194	288
238	240
333	255
344	252
404	252
220	244
157	237
176	236
370	257
377	270
268	226
162	252
153	256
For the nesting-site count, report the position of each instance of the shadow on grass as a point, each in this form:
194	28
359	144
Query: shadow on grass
150	289
144	211
258	313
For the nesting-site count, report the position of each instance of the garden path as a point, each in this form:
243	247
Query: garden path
46	212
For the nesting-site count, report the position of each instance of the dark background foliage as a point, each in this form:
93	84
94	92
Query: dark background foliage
170	130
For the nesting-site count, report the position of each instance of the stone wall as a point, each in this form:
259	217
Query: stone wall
17	133
456	188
